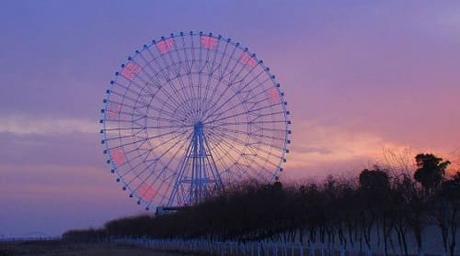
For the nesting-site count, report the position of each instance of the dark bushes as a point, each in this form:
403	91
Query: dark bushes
87	235
378	209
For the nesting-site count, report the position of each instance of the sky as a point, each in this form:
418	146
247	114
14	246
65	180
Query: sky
361	78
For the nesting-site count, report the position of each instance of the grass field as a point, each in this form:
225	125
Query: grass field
58	248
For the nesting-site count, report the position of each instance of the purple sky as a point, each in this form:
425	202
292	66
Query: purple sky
359	77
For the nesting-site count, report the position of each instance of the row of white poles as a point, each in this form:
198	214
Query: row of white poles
230	248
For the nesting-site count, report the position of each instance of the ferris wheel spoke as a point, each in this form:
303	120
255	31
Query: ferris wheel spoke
251	145
117	121
176	95
210	54
214	109
192	49
185	97
214	57
144	103
144	89
250	161
252	173
193	63
143	116
236	169
158	188
229	59
161	102
121	103
221	153
249	114
179	60
142	128
132	83
220	79
219	67
223	139
124	96
200	71
163	182
254	122
150	174
162	135
158	83
250	109
146	138
234	75
184	48
255	167
178	78
155	162
177	137
253	104
168	80
175	64
209	78
203	61
172	175
127	172
247	133
131	159
230	82
218	119
137	148
161	112
120	137
248	145
272	114
179	149
136	177
151	80
224	154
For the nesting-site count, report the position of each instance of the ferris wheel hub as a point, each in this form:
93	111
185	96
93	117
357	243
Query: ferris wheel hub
198	126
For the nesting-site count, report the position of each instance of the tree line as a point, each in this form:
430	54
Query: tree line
377	208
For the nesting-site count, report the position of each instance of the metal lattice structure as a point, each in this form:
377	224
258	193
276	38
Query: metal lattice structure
189	114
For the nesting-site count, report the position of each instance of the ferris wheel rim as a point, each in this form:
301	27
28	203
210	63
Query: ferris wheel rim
153	43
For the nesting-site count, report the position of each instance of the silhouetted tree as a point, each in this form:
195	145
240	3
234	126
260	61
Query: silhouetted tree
374	181
352	213
430	170
450	194
373	188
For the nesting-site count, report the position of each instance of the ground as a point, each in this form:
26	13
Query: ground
57	248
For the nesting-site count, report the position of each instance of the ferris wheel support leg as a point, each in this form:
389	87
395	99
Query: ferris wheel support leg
198	169
178	181
214	170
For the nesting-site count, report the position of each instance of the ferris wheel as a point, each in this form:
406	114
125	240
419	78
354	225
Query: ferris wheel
188	115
